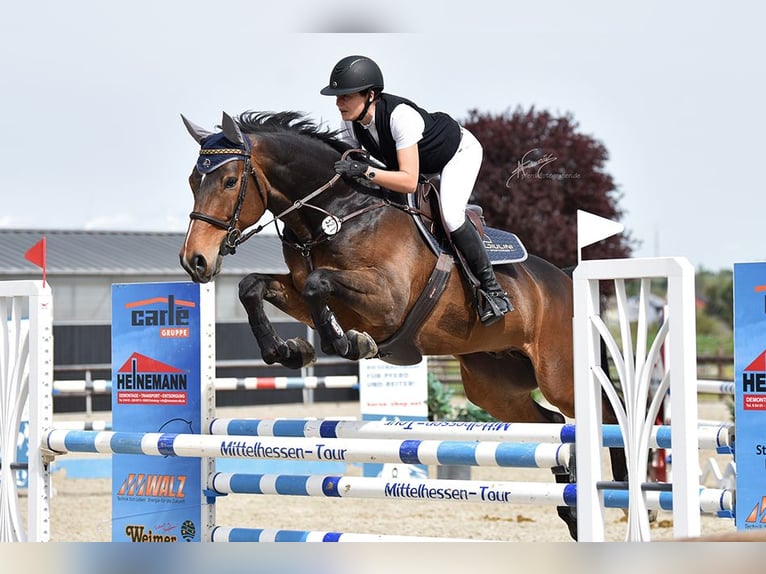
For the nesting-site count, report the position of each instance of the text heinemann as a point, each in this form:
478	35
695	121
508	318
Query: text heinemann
151	381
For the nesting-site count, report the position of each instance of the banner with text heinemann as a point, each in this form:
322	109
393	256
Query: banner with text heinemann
156	370
750	393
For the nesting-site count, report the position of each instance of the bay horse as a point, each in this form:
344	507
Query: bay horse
358	266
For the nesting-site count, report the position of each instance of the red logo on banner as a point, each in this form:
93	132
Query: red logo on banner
758	514
754	383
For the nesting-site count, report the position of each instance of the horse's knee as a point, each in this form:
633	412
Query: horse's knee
317	287
251	287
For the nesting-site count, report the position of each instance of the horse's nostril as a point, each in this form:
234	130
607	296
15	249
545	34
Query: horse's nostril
199	264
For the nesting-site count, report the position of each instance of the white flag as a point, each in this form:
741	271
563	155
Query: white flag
592	228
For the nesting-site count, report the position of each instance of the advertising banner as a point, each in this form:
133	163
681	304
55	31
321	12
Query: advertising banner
393	392
157	371
750	393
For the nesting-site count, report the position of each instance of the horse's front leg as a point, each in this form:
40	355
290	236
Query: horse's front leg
277	290
354	345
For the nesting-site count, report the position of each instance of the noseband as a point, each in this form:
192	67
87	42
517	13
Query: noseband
233	235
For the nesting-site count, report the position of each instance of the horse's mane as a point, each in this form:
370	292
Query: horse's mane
252	122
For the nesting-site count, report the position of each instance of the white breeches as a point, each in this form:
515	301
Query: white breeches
458	178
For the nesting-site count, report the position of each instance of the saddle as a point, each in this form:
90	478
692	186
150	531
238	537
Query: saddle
502	246
427	202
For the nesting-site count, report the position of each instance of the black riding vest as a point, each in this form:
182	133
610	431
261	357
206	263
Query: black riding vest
441	136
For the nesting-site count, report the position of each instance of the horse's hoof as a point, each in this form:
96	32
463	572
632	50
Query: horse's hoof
569	516
362	345
300	353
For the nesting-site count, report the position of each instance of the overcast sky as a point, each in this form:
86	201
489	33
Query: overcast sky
91	94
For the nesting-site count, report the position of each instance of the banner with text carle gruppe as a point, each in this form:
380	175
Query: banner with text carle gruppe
750	393
156	389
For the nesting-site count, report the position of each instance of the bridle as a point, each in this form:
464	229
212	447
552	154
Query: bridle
233	234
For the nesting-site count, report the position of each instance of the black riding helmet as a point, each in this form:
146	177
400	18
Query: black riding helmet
353	74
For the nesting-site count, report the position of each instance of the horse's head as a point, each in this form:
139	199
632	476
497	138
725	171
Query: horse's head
228	198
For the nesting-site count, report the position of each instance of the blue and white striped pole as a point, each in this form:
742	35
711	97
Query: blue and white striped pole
385	488
228	534
716	437
712	500
526	455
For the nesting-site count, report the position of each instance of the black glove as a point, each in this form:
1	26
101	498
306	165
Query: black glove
351	167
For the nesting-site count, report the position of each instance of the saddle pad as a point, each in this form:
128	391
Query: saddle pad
503	246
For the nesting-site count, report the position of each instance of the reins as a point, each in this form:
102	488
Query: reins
330	225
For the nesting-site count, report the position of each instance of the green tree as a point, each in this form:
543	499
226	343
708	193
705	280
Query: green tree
538	170
717	293
715	314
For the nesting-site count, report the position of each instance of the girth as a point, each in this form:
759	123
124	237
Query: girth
399	348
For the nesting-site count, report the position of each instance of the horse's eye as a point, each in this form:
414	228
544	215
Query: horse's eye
230	182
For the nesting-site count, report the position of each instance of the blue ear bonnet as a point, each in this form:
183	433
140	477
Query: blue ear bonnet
217	150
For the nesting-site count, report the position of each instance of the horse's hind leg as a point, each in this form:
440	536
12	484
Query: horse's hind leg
253	290
564	475
502	387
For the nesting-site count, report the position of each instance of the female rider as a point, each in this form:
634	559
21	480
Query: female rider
409	141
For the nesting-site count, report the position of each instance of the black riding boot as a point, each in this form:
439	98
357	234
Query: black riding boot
491	301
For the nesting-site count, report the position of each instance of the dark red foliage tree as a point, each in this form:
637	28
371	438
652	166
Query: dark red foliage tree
538	170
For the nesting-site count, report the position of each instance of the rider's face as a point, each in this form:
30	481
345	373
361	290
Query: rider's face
351	105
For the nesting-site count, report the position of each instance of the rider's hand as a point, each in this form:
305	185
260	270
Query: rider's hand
351	167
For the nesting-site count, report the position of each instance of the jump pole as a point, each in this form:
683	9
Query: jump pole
711	437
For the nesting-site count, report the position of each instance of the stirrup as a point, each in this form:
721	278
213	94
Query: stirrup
492	306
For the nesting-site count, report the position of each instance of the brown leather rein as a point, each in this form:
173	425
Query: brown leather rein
235	236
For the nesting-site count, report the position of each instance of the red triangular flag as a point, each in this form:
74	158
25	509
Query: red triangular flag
36	254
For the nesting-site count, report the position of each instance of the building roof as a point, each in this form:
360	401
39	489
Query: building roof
79	252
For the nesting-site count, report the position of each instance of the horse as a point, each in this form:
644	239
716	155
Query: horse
359	266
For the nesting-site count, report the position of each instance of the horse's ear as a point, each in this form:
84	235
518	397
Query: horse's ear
196	132
231	130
